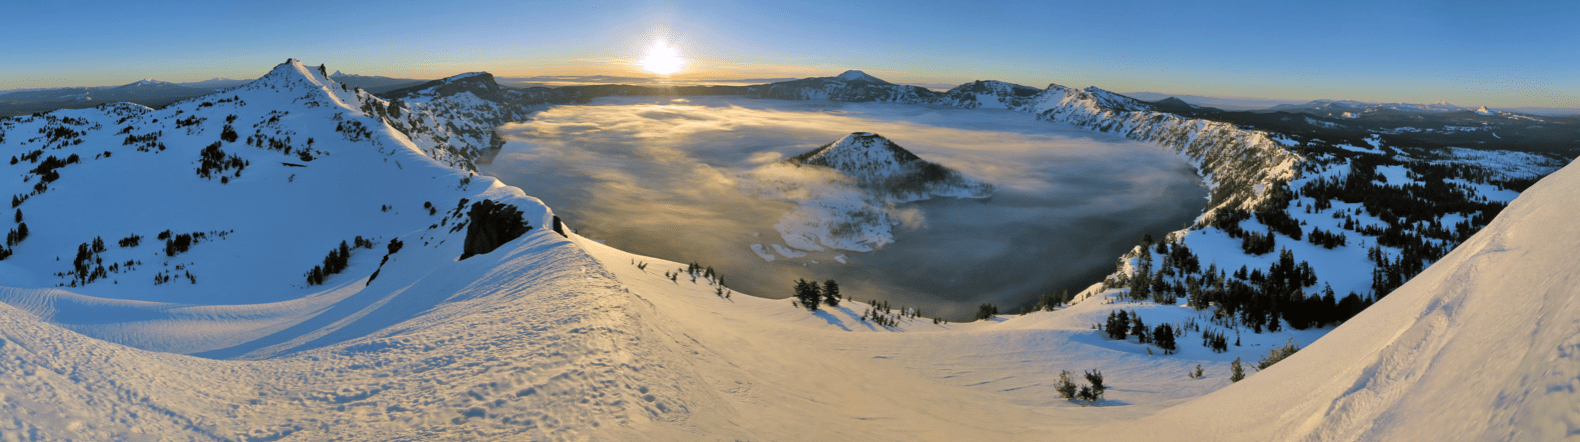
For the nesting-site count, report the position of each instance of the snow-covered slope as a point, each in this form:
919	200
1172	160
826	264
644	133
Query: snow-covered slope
1481	346
267	179
530	341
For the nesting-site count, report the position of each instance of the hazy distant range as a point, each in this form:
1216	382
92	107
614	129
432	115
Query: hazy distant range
157	94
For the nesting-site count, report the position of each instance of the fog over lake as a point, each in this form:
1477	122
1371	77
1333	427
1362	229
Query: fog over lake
663	177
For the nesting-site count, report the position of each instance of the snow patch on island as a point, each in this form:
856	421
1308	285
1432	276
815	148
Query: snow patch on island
846	193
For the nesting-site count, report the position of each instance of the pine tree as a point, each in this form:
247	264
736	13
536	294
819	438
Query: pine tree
808	293
1236	372
831	294
1096	378
1065	387
1138	328
1163	336
345	255
986	311
1085	394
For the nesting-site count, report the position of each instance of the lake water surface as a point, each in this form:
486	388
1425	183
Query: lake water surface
663	177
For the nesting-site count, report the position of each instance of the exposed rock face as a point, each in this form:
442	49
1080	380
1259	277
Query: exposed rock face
492	225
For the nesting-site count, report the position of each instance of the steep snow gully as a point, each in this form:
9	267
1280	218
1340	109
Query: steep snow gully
222	335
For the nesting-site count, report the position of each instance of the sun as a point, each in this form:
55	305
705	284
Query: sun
661	59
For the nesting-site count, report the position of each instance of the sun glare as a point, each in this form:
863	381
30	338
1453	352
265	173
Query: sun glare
661	59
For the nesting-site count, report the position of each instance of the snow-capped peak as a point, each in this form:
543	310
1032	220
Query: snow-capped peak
1484	111
855	75
291	71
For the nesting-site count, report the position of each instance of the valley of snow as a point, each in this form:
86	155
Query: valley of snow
555	337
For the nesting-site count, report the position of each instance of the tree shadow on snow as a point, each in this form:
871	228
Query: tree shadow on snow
390	303
832	320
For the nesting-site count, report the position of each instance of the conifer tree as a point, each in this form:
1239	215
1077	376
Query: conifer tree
808	293
1096	378
1236	372
1138	328
1065	387
831	294
986	311
1085	394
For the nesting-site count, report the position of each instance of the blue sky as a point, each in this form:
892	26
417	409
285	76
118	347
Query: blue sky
1468	53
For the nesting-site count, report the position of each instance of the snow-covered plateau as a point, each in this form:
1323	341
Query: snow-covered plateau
172	283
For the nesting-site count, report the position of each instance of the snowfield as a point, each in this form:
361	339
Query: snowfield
555	337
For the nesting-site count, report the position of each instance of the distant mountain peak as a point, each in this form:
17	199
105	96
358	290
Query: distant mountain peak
146	82
1484	111
859	76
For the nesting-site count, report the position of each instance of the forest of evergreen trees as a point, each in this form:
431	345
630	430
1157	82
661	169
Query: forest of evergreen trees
1402	222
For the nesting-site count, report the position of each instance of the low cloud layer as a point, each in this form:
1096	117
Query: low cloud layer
662	177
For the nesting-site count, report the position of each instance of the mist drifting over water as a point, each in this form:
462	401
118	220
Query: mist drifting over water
663	177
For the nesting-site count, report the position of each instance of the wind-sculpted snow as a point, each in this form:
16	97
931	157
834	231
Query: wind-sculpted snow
542	344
